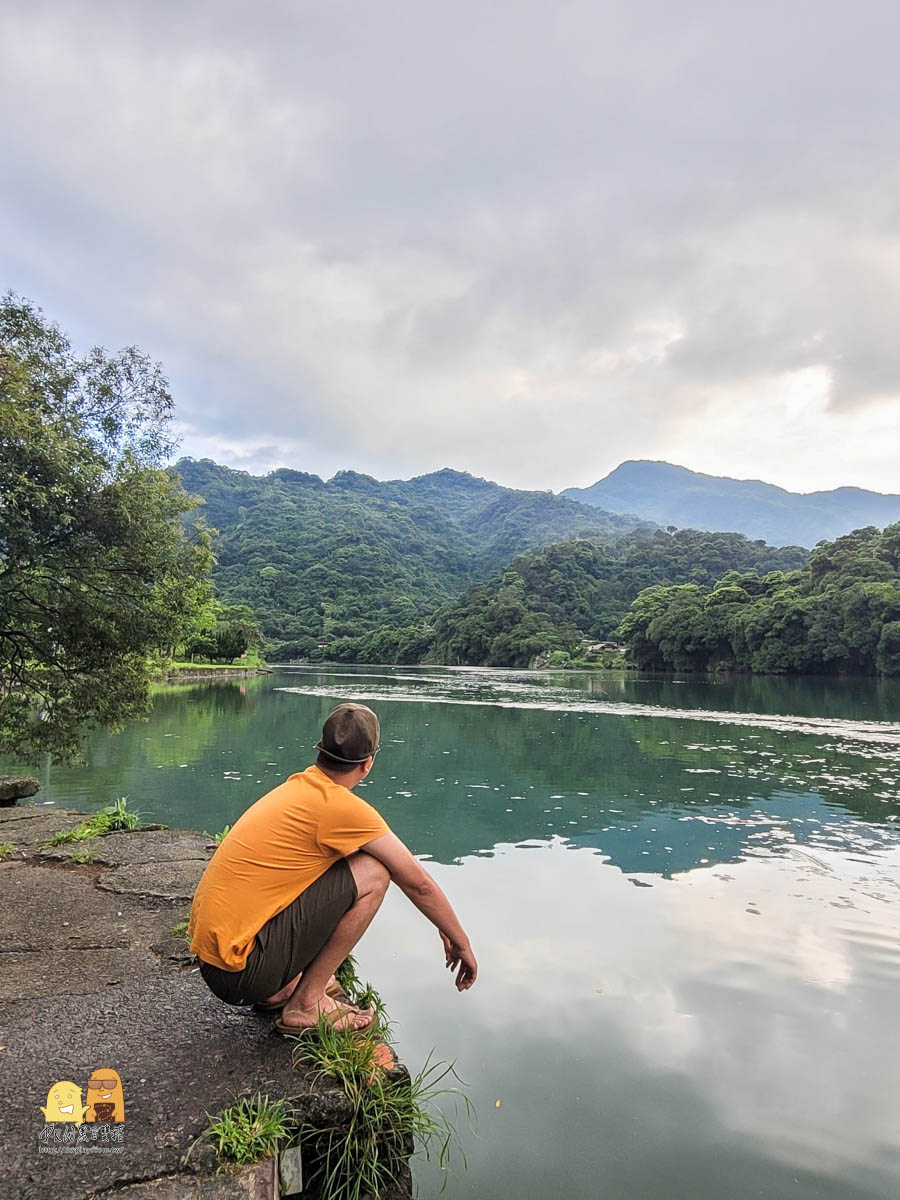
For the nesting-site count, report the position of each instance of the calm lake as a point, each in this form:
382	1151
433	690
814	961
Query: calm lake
684	897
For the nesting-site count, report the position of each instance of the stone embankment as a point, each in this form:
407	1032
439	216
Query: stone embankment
91	977
211	675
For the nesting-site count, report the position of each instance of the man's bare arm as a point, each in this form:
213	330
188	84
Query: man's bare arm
415	882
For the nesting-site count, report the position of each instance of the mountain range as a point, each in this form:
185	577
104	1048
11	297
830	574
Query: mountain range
672	495
453	566
318	561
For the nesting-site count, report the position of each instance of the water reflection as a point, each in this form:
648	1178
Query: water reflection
848	698
686	924
654	795
699	1040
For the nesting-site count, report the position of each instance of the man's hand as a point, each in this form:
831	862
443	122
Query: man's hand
453	955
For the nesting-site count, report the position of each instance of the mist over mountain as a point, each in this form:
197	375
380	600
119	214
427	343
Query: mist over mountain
672	495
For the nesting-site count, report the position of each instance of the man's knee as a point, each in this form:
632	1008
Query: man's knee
370	874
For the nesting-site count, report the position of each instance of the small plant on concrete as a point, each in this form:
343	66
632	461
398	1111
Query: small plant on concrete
119	816
363	995
7	849
391	1113
112	819
219	837
180	929
346	974
84	855
252	1128
77	834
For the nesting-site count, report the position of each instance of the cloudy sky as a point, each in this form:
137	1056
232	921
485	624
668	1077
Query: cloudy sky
527	240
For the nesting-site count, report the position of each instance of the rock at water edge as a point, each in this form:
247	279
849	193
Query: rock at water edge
13	788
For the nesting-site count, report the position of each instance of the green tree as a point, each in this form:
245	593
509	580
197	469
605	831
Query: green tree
221	632
839	613
236	632
96	573
887	659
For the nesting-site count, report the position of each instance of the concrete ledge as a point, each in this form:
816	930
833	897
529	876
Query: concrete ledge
91	978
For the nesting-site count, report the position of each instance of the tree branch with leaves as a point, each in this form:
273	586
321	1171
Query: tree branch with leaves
97	573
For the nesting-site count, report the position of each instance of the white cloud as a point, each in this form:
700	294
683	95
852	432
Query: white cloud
396	240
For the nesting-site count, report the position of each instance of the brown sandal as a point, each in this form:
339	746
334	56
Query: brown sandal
341	1012
332	988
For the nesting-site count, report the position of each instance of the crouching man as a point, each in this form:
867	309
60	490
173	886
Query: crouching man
296	881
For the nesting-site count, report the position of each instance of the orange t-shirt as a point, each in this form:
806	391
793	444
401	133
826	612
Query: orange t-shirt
272	853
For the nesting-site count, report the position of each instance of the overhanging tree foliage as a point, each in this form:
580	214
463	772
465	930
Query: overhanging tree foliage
96	572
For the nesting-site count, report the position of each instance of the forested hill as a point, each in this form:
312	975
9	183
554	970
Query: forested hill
840	613
672	495
319	562
544	604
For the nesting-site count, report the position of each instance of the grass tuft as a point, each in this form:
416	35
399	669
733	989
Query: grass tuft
391	1115
180	929
252	1128
84	855
362	994
219	837
65	836
346	974
112	819
119	816
7	850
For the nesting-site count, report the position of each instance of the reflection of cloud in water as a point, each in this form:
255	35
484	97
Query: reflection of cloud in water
776	954
769	1023
672	844
885	734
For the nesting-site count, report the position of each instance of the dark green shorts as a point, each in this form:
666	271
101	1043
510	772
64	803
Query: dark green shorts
288	943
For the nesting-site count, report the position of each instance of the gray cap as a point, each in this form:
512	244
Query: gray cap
350	734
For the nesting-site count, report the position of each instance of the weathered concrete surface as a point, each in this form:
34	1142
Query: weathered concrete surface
91	977
252	1183
143	846
42	822
17	787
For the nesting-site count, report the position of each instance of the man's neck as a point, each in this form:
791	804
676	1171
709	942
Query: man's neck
347	779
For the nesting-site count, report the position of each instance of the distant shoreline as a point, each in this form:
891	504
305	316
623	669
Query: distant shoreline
202	674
